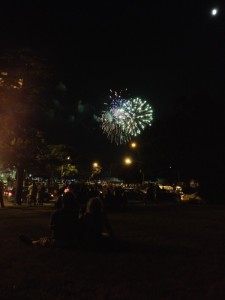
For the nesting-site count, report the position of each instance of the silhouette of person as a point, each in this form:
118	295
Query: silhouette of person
93	224
63	225
2	194
32	193
40	194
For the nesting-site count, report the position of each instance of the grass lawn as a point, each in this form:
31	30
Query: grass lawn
169	252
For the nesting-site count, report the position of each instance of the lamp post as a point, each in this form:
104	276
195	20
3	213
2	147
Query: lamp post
129	161
135	146
62	167
143	176
96	169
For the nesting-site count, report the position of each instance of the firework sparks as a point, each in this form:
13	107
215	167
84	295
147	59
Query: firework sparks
125	118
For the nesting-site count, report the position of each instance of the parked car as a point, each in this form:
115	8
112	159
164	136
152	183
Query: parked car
134	195
192	198
9	193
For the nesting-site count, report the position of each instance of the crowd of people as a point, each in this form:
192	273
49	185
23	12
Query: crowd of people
79	218
112	196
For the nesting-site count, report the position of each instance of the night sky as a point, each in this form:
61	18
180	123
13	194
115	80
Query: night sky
160	51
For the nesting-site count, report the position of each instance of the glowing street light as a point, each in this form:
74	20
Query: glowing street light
96	170
95	164
62	167
133	145
128	161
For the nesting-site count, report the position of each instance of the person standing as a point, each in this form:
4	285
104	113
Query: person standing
2	194
41	194
32	193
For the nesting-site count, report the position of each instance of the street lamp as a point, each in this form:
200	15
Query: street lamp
95	165
96	169
136	149
133	145
62	167
129	161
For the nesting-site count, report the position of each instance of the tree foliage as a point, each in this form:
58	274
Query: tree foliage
22	90
57	161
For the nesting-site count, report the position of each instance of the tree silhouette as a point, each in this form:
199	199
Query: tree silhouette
22	87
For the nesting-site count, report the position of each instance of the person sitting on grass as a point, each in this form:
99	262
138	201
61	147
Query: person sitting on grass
92	226
63	225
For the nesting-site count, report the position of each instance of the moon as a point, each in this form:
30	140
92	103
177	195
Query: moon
214	11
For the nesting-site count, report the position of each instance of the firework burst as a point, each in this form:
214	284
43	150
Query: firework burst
138	115
124	118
